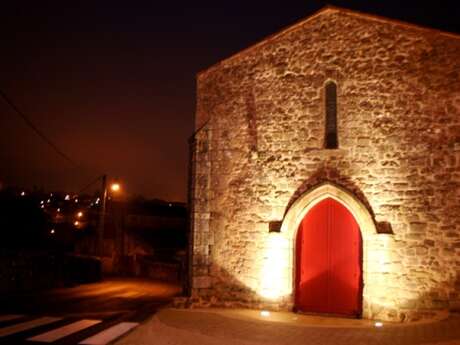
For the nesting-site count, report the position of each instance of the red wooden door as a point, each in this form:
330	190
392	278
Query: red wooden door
328	276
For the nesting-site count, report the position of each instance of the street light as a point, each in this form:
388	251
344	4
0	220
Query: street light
114	187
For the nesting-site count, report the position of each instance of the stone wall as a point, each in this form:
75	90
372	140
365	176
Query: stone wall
262	148
201	238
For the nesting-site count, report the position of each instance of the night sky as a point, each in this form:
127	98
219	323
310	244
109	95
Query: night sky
112	84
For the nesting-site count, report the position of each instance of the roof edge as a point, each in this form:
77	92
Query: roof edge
403	23
268	38
327	8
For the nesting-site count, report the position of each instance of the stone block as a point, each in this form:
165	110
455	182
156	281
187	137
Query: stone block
201	282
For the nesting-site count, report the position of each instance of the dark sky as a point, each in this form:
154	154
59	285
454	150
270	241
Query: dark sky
112	84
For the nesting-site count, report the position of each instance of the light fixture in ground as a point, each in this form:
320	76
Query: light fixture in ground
378	324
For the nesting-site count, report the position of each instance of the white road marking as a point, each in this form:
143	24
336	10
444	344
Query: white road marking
9	317
110	334
64	331
23	326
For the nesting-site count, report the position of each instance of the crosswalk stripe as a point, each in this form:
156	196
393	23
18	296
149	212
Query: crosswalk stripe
23	326
110	334
9	317
61	332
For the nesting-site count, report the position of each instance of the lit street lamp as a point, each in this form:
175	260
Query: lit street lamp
114	187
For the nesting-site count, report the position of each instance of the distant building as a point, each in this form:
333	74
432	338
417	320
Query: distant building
138	234
326	171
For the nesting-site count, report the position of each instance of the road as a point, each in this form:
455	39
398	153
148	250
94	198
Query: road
89	313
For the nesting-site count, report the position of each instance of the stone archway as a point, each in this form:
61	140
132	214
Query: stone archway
306	202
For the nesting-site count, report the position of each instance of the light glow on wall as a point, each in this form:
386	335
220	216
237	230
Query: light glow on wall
380	257
275	272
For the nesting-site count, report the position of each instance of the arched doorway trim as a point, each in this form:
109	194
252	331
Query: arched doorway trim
305	202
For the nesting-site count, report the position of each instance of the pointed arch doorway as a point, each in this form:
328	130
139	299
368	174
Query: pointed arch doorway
329	261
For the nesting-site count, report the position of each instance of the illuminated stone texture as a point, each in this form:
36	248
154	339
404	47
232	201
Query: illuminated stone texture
259	152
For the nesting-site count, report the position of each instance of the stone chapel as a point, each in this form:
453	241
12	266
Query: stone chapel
325	173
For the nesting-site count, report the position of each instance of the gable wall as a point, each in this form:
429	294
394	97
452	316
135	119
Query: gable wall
399	153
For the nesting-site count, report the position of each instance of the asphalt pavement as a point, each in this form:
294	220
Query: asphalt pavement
97	313
136	312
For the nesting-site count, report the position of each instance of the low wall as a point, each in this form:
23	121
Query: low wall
169	272
26	271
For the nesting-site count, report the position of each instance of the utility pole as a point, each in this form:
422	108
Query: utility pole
100	232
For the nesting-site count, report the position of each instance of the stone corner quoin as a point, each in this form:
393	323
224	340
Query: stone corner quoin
259	156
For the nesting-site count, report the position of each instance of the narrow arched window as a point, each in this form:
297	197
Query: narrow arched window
331	141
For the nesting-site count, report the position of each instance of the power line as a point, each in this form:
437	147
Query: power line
35	129
90	184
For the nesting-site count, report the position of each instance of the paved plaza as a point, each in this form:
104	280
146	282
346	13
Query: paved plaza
209	327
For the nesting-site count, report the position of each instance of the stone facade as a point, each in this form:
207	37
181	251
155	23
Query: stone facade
259	160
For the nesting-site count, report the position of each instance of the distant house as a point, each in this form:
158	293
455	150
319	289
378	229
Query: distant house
157	216
326	171
139	230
